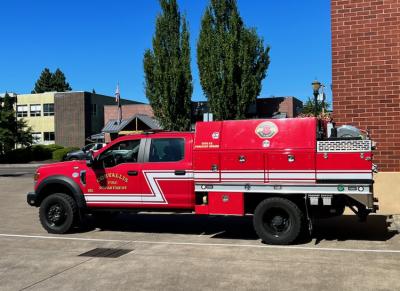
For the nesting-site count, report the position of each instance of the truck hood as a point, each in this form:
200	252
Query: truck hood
59	165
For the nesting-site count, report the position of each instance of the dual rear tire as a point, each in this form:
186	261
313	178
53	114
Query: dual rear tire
278	221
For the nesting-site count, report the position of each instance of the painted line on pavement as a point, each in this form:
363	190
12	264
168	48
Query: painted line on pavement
205	244
62	238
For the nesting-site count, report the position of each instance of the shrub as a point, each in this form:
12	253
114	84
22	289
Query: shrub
41	152
54	147
23	155
58	155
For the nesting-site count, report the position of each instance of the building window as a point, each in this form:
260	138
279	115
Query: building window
48	136
48	109
36	137
36	110
22	110
94	109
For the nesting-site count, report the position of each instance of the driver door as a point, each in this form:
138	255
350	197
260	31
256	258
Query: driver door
114	179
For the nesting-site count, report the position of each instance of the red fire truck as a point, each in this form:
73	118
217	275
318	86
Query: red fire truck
284	172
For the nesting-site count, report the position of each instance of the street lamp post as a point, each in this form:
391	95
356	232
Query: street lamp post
316	86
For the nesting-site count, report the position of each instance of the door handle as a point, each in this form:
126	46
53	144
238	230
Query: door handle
180	172
132	173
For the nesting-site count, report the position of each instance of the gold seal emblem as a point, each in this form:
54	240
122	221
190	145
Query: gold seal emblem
266	129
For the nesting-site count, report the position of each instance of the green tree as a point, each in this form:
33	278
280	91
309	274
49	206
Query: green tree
59	83
168	78
51	82
232	60
44	83
309	107
23	135
12	131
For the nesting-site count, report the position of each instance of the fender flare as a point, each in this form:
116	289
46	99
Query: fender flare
72	186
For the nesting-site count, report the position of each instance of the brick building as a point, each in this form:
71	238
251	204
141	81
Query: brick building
284	106
78	115
128	110
366	72
366	83
273	107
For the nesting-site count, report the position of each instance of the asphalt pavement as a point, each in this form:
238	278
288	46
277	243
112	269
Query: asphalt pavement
18	170
187	252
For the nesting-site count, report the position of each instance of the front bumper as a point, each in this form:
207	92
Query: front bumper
31	198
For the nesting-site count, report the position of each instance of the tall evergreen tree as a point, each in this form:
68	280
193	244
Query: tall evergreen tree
232	60
12	131
44	83
51	82
7	124
58	82
168	78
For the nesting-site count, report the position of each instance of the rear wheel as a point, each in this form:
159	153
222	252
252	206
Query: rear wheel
58	213
278	221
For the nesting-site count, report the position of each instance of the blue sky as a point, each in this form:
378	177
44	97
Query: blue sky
97	43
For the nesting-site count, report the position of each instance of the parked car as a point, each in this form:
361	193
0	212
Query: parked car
82	153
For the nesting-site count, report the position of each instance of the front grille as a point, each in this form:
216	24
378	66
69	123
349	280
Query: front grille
331	146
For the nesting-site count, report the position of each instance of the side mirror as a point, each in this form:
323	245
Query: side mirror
90	159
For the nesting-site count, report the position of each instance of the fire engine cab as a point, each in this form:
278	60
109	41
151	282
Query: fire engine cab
284	172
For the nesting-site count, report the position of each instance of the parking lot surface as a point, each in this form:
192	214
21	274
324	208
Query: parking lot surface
187	252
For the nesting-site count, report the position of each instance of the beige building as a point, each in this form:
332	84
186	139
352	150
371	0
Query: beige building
38	111
65	118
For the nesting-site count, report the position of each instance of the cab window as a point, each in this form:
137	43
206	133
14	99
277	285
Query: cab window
166	150
126	151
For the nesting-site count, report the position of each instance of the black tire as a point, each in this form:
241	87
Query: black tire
278	221
58	213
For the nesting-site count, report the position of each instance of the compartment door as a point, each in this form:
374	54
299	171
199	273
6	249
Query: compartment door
242	166
291	166
206	166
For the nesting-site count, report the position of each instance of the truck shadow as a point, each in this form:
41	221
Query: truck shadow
346	227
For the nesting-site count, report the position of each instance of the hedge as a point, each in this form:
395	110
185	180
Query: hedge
23	155
58	155
36	153
41	153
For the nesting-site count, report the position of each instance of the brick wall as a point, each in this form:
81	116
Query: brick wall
70	118
111	112
366	72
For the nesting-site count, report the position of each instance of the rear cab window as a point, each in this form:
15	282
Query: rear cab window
166	150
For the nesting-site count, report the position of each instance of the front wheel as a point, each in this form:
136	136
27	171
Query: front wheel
278	221
58	213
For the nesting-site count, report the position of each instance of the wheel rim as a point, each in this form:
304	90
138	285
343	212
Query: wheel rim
56	215
277	221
